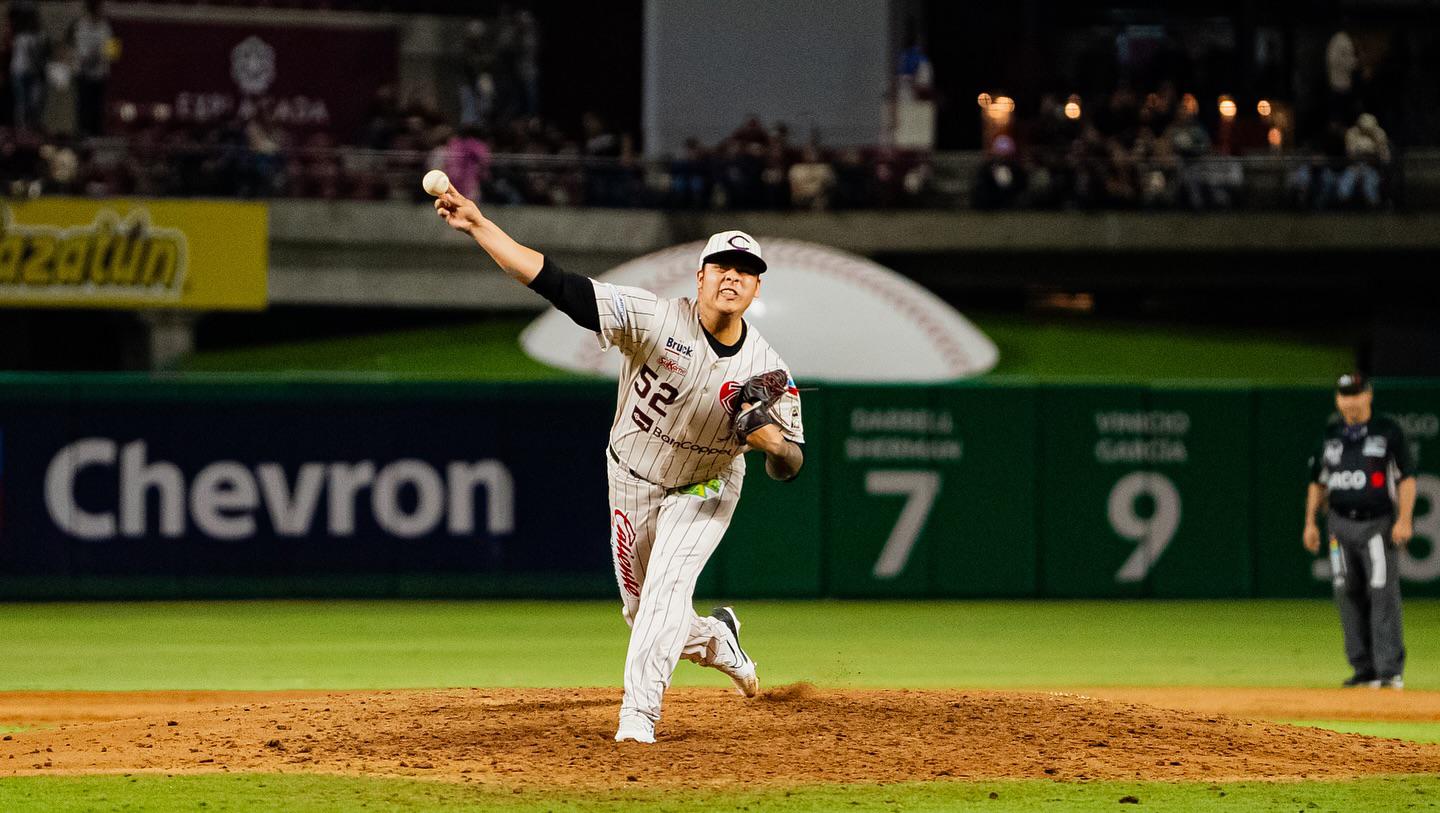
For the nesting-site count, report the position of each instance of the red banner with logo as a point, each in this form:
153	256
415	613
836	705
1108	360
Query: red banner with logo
300	77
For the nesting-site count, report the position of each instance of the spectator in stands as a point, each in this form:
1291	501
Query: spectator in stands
915	76
62	169
1120	115
383	120
1087	162
812	181
600	140
527	62
29	52
751	132
19	163
1368	149
1160	107
263	172
775	177
92	44
1190	142
852	184
1342	63
1311	184
7	99
1000	182
690	177
477	75
738	170
600	143
467	162
1155	169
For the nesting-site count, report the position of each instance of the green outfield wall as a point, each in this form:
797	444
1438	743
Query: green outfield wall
266	487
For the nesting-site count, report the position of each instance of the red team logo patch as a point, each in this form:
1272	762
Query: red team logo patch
1377	479
730	396
624	534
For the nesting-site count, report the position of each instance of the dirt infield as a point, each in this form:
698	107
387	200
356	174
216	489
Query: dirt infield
792	735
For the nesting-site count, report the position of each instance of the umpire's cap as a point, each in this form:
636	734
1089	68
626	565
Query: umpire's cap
733	246
1352	384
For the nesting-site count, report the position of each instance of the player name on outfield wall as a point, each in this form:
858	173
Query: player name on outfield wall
127	487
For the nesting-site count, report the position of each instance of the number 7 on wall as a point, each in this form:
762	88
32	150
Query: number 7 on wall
920	489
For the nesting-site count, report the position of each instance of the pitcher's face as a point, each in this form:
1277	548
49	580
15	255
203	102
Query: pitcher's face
727	287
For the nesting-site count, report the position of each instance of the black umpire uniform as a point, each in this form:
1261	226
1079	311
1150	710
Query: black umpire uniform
1359	465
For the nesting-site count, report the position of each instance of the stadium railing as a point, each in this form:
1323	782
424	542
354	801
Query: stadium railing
882	179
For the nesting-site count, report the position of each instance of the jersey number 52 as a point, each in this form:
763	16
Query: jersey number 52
664	396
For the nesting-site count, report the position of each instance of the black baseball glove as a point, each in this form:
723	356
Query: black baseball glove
761	392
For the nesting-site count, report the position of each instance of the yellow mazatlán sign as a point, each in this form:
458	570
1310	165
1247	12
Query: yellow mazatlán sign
203	255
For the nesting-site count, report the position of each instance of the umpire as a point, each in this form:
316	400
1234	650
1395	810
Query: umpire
1364	467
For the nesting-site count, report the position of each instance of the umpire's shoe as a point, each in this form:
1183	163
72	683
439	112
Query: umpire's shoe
746	681
1360	680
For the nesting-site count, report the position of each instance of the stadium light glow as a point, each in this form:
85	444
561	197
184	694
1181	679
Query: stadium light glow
1001	108
1275	137
1263	107
1227	107
1072	108
983	100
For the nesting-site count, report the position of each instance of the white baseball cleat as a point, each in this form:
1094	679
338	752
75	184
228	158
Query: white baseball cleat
746	681
635	728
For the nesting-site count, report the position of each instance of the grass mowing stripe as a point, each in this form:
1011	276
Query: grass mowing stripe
301	793
1412	731
262	645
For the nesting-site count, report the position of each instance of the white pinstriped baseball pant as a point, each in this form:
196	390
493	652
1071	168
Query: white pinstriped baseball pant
659	542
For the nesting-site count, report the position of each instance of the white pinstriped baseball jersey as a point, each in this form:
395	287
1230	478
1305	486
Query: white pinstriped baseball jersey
677	397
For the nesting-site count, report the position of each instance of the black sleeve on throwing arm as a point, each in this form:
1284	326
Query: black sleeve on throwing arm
572	294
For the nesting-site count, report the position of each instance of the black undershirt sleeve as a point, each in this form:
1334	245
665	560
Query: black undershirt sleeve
572	294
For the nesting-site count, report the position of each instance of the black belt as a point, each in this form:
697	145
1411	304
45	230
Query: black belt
633	473
1361	514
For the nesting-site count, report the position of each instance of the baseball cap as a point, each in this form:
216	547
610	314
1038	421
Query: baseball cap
734	246
1352	384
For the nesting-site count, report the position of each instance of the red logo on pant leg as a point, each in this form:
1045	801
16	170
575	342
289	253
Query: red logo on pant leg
624	535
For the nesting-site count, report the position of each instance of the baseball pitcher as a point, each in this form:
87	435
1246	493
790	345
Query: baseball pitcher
699	387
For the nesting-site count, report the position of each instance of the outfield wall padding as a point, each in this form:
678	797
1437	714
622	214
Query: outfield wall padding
117	486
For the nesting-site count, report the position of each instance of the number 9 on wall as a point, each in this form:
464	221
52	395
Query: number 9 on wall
1151	534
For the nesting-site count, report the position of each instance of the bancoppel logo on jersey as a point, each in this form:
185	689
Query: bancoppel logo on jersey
1375	446
678	348
688	445
1354	480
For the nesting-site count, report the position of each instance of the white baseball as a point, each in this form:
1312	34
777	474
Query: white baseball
435	182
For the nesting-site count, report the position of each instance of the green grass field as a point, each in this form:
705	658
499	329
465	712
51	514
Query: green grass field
316	793
372	644
1050	349
417	644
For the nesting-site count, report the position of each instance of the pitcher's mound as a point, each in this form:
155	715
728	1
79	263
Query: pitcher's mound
790	735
